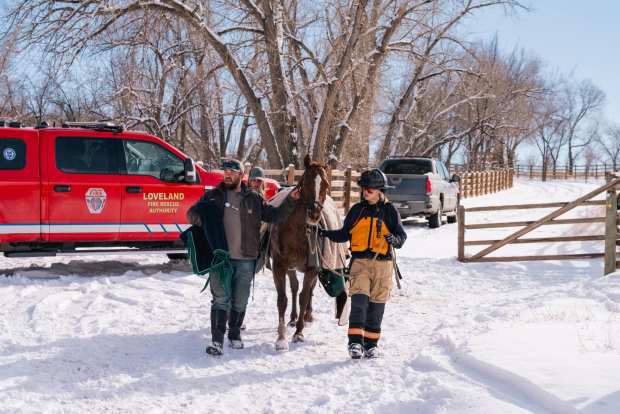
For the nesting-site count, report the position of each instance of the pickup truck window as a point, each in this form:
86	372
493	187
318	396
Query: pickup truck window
420	166
12	154
148	158
79	155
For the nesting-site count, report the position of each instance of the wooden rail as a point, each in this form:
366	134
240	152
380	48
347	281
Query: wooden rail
610	235
345	191
343	184
479	183
585	172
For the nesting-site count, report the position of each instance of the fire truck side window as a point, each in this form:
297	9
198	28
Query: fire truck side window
12	154
148	158
86	155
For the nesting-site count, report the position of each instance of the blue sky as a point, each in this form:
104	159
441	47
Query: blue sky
572	36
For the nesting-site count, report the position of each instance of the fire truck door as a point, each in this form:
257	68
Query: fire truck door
84	190
155	197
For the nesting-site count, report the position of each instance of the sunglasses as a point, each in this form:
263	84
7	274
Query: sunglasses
370	190
231	165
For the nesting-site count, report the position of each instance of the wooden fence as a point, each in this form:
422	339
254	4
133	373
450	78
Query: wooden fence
581	172
346	192
485	182
343	184
609	236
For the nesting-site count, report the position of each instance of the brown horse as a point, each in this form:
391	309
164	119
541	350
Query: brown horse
290	248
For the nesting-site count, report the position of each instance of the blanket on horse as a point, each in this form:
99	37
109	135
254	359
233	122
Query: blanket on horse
333	255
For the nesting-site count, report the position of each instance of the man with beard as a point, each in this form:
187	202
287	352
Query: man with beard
231	215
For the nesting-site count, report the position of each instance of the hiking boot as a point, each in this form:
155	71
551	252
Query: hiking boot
236	344
372	352
356	351
215	349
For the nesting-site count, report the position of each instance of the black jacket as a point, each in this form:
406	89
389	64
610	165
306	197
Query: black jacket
364	218
253	211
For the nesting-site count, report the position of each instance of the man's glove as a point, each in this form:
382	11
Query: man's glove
321	232
391	239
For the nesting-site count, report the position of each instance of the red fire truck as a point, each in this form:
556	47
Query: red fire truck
92	187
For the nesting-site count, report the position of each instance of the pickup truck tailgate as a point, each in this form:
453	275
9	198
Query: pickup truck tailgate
407	187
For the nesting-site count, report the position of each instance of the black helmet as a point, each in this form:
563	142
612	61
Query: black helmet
374	179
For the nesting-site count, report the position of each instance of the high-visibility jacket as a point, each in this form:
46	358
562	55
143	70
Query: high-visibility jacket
366	226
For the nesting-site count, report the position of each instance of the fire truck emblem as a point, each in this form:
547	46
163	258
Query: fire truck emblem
95	200
9	154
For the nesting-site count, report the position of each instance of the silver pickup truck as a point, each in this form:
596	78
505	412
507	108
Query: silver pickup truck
423	187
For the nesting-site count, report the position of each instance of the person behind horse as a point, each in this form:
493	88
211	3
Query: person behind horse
239	213
374	227
256	180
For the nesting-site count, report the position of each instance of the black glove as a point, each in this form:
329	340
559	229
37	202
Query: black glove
391	239
321	232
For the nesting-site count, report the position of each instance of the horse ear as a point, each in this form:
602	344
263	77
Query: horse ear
307	161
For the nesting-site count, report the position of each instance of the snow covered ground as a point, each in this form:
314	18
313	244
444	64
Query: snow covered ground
127	334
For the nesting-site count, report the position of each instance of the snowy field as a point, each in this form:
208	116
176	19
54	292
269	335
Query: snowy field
127	334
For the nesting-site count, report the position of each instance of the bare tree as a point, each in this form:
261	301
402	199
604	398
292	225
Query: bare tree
580	102
308	74
609	142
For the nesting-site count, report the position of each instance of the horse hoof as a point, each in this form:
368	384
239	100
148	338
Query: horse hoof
308	318
298	338
281	345
292	323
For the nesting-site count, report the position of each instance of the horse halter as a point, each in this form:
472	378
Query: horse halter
309	204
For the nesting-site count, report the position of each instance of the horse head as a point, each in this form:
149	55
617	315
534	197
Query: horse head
313	186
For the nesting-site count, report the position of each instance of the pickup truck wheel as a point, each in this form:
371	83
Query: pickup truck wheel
434	220
451	219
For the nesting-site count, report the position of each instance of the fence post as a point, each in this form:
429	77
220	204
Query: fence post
611	230
330	180
566	172
489	182
463	185
460	219
290	175
586	172
531	171
347	189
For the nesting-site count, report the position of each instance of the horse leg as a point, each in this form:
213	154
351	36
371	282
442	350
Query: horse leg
279	278
294	282
308	315
304	300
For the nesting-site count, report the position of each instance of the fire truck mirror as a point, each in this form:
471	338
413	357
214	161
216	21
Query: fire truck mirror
190	170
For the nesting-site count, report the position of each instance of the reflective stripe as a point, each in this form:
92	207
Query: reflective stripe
80	228
91	228
356	331
20	228
371	335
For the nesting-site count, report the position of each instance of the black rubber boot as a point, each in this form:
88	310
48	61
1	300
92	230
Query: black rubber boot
218	329
234	328
372	328
357	318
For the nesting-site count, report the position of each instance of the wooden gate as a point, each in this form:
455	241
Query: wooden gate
610	234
